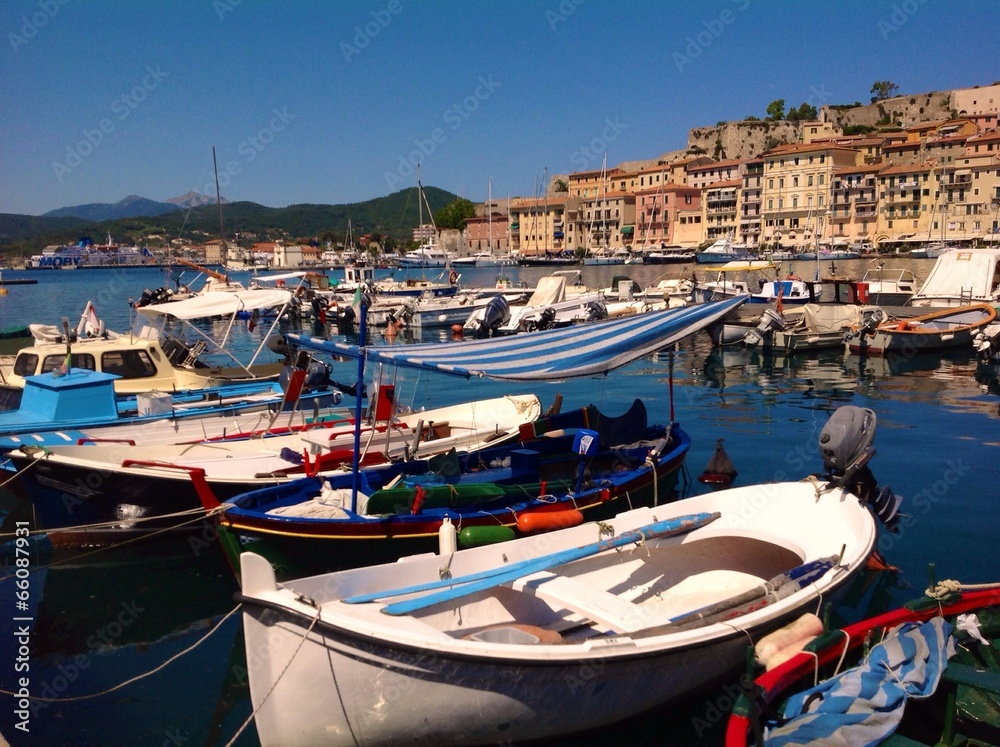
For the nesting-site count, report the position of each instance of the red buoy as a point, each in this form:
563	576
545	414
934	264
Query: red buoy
720	470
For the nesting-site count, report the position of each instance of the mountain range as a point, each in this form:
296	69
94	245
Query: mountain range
132	206
133	219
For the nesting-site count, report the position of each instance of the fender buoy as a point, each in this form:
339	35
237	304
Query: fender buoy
484	535
536	521
452	277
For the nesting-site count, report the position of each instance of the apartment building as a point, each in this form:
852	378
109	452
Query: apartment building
795	197
606	220
658	211
854	204
750	194
487	233
720	209
908	202
537	224
702	174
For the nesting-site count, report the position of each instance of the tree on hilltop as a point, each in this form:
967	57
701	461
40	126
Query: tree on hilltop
883	89
776	109
455	213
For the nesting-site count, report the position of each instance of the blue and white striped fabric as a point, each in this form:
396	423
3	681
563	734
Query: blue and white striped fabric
864	705
579	350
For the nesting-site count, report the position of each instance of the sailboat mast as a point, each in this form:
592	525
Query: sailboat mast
489	214
224	253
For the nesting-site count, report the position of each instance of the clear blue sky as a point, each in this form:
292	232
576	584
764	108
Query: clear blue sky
330	101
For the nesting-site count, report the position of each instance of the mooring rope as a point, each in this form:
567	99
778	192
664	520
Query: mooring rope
276	681
943	588
123	543
138	677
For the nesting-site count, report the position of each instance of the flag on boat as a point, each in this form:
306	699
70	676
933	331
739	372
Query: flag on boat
579	350
356	303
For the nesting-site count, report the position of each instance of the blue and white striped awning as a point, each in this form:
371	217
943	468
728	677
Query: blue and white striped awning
579	350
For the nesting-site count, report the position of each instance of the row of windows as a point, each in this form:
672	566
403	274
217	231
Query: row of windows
795	161
795	181
794	202
129	364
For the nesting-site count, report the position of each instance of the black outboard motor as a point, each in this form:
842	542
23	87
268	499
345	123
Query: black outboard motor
497	312
317	375
846	446
545	320
150	297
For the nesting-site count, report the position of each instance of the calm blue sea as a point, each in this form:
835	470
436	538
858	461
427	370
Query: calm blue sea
104	618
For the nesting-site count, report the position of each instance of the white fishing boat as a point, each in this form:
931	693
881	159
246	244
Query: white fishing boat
164	350
489	644
144	488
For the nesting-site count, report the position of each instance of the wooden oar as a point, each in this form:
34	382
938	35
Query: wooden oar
490	579
679	525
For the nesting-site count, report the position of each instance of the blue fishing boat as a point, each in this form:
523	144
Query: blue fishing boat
74	407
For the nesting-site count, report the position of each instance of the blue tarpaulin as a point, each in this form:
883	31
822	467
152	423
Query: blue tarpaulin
583	349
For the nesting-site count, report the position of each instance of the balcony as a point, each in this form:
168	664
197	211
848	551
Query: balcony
868	213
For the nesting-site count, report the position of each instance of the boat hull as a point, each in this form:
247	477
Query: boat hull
307	547
939	330
472	703
355	675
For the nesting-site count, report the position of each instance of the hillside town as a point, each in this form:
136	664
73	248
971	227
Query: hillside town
927	181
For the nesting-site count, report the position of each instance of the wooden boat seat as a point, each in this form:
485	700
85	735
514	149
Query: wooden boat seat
604	608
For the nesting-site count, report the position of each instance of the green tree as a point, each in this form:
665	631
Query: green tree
455	213
776	109
883	89
561	185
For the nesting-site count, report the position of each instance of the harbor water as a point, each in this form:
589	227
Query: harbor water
97	619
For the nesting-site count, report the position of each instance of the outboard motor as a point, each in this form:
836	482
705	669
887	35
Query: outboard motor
770	322
150	297
317	375
987	342
497	312
279	345
846	446
870	320
594	311
546	319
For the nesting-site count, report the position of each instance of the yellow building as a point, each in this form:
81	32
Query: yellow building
908	203
795	197
604	221
537	224
854	204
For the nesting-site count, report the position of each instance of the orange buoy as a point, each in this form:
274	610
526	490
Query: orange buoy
547	520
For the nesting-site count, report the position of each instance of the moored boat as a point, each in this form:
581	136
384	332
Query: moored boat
146	489
944	328
318	525
491	648
895	663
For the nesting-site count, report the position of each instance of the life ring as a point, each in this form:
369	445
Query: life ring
453	277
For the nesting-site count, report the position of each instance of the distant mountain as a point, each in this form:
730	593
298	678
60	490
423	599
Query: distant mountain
132	206
394	215
194	199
